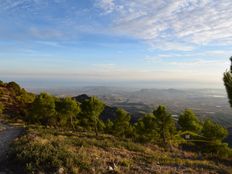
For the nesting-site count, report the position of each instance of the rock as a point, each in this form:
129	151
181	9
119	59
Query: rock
110	168
114	166
61	170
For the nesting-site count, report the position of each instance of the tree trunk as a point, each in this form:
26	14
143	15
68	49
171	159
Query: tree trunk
96	131
163	137
71	120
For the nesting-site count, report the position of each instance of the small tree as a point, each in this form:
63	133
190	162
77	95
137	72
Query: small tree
43	110
214	135
189	122
67	110
122	123
165	125
24	100
91	111
228	84
213	131
146	128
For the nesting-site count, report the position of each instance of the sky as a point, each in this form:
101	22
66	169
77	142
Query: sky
177	43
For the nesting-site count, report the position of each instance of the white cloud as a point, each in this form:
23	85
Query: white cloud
178	25
107	5
200	63
168	45
22	4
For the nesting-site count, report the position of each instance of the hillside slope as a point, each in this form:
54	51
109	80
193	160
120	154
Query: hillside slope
14	98
71	135
49	151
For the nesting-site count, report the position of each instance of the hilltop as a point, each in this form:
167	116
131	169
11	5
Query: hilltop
14	99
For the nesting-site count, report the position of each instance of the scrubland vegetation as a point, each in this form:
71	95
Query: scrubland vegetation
49	150
69	136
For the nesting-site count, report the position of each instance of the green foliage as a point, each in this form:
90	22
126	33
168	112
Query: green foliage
25	97
90	115
24	100
2	83
189	122
47	150
43	110
38	155
145	128
121	125
108	126
228	84
165	125
14	87
213	131
16	99
218	149
67	111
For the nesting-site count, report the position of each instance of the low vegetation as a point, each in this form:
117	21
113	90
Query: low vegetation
68	136
50	151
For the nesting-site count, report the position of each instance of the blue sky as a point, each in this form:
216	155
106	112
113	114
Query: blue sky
186	41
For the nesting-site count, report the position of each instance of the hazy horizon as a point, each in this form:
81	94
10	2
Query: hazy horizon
67	84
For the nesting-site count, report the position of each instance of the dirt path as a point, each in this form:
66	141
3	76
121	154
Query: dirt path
7	136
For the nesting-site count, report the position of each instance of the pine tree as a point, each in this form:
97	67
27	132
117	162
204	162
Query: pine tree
188	121
122	123
43	110
67	110
228	84
165	124
91	111
146	129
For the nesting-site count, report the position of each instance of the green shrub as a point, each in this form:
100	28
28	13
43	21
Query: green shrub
219	150
14	87
42	155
